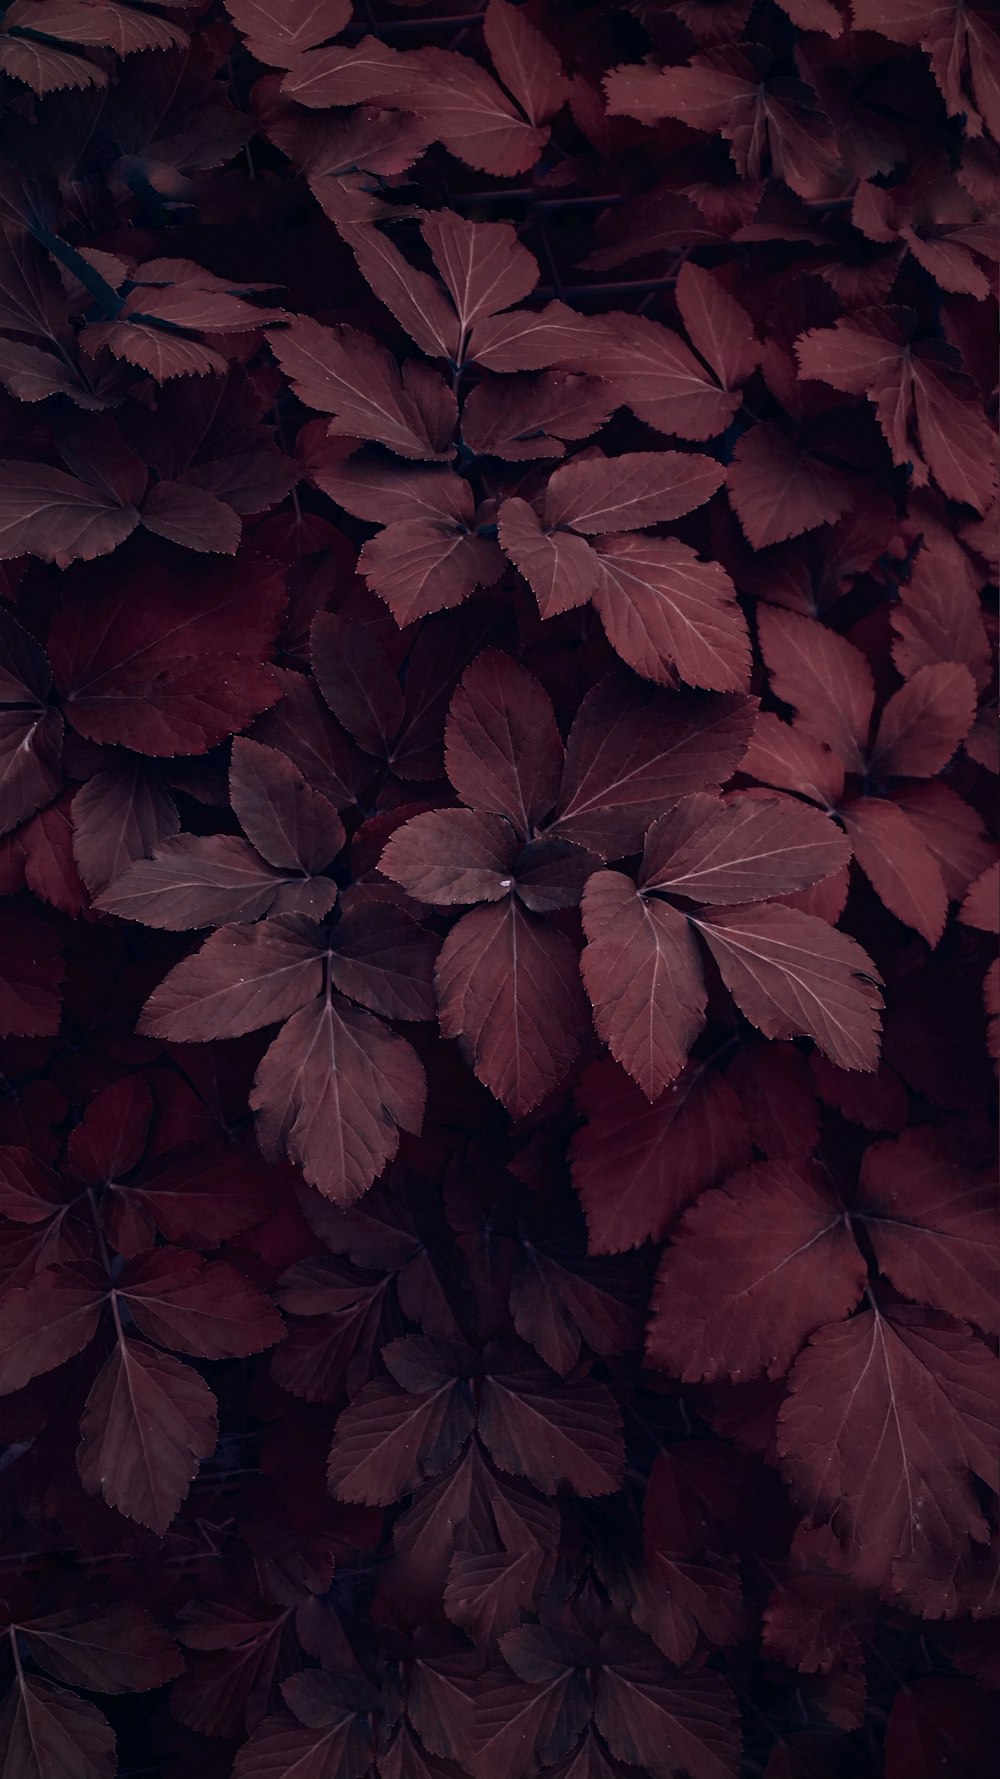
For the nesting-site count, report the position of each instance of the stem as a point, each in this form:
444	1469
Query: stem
83	272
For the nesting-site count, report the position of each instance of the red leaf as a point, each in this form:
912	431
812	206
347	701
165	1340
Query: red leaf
677	1600
525	61
195	881
294	827
509	989
981	907
525	417
46	513
754	1268
482	263
825	679
924	722
643	974
654	1717
634	748
419	566
900	866
202	1307
450	856
743	850
383	959
280	37
347	374
111	1136
886	1416
117	1650
928	409
561	569
650	369
717	326
172	673
932	1227
600	494
147	1423
636	1166
553	1432
663	609
792	975
191	516
503	752
335	1089
47	1322
471	114
779	488
356	680
120	815
388	1440
241	979
41	1725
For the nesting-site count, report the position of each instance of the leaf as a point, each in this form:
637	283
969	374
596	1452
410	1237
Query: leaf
745	849
553	1432
41	1725
119	1649
623	493
652	371
388	1440
899	864
981	907
503	752
471	114
111	1136
885	1417
779	488
928	409
146	1425
192	517
825	679
31	976
561	569
198	881
46	513
482	263
175	672
932	1227
525	61
240	979
792	975
654	1717
663	608
347	374
279	36
335	1089
291	825
940	1722
925	721
717	325
356	680
384	959
524	417
636	1166
418	566
634	748
642	972
508	988
198	1194
46	1322
451	856
120	815
755	1267
677	1600
202	1307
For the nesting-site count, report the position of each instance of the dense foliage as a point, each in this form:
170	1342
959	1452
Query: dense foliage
497	735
